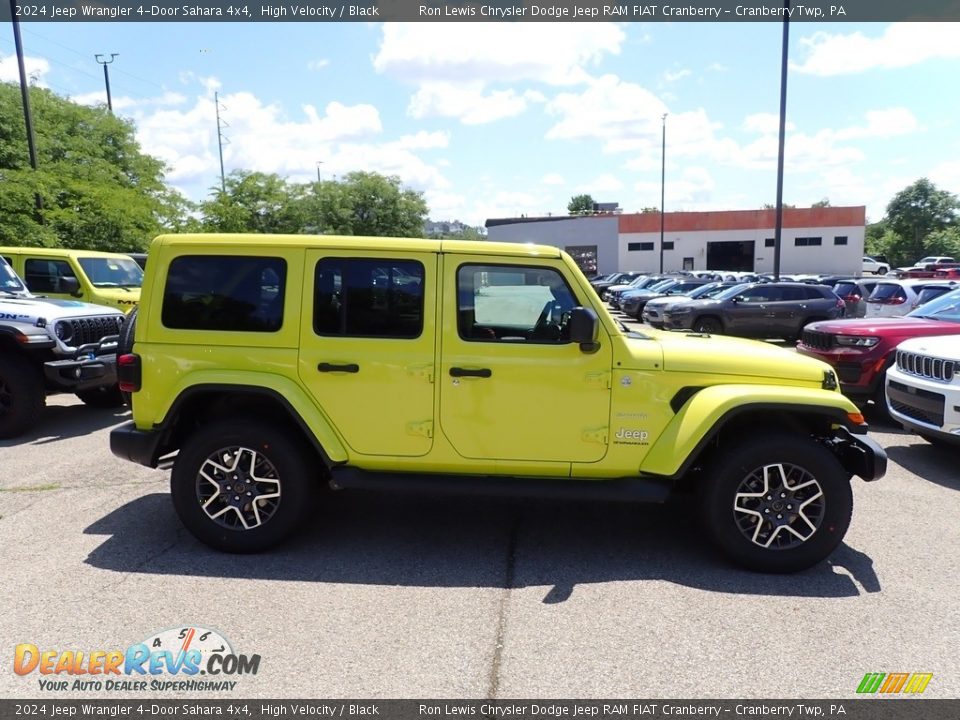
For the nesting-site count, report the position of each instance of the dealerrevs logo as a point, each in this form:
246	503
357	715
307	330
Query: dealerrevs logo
172	659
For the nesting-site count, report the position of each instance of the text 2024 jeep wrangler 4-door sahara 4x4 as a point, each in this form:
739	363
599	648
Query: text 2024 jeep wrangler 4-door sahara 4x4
268	366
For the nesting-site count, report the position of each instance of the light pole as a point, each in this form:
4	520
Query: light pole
319	163
663	181
106	77
25	94
778	229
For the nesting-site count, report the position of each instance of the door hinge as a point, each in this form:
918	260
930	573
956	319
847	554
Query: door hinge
595	435
424	428
421	371
599	379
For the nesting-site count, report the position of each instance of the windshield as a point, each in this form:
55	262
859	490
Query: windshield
662	285
113	272
8	278
945	307
730	292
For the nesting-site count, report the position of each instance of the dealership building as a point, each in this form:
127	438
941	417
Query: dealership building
813	240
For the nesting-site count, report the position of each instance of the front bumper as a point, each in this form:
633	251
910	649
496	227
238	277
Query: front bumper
82	373
858	454
925	406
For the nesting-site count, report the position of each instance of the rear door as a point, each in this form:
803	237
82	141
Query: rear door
367	346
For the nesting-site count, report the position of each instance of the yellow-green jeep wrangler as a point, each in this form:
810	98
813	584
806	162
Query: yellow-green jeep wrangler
272	366
100	278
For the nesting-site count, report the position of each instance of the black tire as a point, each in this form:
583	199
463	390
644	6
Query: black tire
22	395
708	324
879	410
737	481
280	458
125	345
103	397
882	270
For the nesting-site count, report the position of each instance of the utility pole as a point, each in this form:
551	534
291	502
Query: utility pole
319	163
25	94
220	139
106	76
663	182
778	229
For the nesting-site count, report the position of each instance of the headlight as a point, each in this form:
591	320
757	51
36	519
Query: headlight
679	310
857	340
64	331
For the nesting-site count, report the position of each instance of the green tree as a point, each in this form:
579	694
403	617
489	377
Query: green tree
254	202
97	189
363	203
580	205
824	203
917	211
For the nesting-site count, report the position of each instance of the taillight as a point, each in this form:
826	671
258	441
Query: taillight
128	372
897	301
851	298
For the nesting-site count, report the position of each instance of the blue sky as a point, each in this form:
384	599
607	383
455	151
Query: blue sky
502	119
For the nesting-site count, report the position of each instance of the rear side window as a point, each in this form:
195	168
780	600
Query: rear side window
930	293
365	297
45	275
218	292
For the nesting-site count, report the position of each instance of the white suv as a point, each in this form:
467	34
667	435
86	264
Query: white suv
923	388
874	266
895	298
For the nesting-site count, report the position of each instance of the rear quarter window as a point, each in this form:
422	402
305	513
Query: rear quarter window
217	292
887	291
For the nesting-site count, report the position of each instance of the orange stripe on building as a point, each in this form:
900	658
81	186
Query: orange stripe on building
744	219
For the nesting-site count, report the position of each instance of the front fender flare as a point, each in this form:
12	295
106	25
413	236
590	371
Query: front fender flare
705	413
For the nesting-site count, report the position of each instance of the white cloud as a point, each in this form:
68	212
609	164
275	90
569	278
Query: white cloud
900	45
673	76
468	102
316	65
717	67
882	124
606	183
36	70
552	53
694	188
552	179
459	69
608	109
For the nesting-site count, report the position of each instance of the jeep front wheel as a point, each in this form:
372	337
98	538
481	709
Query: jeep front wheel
22	396
242	487
777	503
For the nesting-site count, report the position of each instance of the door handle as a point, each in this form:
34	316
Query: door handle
466	372
331	367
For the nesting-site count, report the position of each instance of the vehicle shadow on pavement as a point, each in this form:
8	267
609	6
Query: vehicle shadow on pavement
936	464
417	541
59	422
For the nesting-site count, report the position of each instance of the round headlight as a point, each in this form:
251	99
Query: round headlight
64	331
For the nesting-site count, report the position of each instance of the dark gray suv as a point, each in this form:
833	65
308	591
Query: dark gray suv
762	310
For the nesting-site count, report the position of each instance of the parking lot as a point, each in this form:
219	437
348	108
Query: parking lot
427	597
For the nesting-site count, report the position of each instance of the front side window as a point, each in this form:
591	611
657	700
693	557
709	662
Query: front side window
361	297
216	292
8	278
497	303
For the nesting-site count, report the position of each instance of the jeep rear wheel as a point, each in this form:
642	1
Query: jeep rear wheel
242	487
22	396
777	503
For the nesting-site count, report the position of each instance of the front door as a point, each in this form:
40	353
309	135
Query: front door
367	347
512	385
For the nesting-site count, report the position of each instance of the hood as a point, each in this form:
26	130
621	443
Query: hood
943	346
30	310
885	326
724	355
125	298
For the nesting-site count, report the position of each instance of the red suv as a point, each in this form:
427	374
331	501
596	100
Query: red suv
861	350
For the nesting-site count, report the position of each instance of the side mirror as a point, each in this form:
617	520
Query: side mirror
584	328
739	298
70	286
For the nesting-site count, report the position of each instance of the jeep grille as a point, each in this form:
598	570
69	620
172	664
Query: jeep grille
92	329
817	340
926	366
